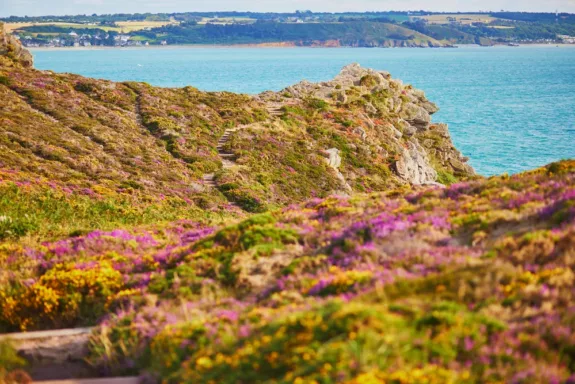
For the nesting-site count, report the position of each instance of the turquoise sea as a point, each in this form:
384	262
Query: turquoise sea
509	108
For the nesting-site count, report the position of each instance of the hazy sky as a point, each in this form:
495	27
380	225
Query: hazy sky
61	7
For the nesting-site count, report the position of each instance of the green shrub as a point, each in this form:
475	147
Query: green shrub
16	227
9	358
318	104
446	178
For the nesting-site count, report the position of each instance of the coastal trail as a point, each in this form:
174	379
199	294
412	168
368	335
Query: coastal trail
275	110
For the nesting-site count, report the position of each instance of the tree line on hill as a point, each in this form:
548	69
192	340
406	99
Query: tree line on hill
355	29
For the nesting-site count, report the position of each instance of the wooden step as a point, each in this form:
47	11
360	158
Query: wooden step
46	334
54	355
110	380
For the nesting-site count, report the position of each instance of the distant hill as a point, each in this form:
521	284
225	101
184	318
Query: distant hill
356	34
371	29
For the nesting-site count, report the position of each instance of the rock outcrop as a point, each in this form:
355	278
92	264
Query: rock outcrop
333	159
393	116
413	166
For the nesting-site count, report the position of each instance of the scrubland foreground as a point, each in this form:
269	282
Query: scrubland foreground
341	238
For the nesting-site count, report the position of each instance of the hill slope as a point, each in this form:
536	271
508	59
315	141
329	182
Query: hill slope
122	207
352	34
468	284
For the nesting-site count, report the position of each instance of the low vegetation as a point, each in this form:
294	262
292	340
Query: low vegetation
310	258
472	283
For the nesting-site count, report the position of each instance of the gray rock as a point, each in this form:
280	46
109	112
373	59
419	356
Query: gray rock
334	161
361	132
413	166
442	129
416	115
410	130
333	157
370	108
406	128
396	132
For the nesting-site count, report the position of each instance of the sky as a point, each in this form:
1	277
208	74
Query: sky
73	7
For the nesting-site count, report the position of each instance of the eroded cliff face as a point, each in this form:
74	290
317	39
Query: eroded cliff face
12	51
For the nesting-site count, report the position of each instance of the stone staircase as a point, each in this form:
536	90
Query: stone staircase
228	159
59	357
209	180
275	110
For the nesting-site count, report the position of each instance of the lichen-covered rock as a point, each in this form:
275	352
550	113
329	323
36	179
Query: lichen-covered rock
416	115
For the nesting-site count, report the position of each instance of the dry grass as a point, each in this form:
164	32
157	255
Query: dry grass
10	27
130	26
226	20
462	18
123	26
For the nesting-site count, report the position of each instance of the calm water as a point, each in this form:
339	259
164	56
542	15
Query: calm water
509	109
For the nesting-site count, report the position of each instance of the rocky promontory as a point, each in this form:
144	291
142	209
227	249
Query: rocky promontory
131	138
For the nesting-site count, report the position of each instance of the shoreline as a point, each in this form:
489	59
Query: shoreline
283	46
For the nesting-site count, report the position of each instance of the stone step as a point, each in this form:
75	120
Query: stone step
226	164
227	155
